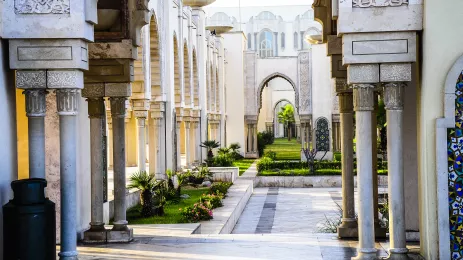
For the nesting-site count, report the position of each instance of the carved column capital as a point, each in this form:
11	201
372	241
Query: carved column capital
118	107
346	102
67	101
394	95
363	97
36	105
96	107
141	122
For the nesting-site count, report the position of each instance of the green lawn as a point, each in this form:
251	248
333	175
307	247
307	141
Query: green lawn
243	164
172	211
286	150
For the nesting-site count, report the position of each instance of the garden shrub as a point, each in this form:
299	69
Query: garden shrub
212	201
220	188
268	137
270	154
223	160
197	212
265	164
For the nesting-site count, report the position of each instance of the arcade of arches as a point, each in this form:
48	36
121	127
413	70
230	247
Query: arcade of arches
105	88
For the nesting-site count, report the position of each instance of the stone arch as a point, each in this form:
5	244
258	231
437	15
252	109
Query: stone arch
269	78
296	115
445	156
177	85
195	80
186	74
155	63
322	134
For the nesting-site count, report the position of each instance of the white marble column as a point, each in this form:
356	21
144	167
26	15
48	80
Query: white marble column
394	101
348	227
118	112
141	143
67	106
159	163
249	138
187	143
97	113
109	142
363	105
179	154
254	134
35	111
303	135
198	142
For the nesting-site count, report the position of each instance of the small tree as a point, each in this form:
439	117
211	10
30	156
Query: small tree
310	155
210	145
286	117
145	183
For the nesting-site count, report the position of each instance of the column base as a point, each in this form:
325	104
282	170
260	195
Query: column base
120	236
366	254
95	236
251	155
72	255
398	254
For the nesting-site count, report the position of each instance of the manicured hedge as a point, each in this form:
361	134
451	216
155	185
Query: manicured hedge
266	164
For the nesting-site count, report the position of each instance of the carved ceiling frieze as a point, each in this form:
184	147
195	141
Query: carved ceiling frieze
378	3
42	6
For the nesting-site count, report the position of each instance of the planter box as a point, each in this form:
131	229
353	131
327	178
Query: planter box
225	174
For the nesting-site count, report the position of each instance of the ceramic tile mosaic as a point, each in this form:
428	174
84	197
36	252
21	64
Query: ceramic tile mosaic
455	163
322	135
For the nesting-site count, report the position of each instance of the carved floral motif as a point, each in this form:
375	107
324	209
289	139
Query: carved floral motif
42	6
378	3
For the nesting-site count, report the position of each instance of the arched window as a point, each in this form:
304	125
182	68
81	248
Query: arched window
266	16
249	41
266	44
283	40
322	135
296	45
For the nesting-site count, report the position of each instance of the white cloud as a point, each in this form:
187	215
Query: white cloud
230	3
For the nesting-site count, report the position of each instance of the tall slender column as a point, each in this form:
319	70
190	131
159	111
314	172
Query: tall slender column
187	143
303	134
179	155
141	143
118	110
276	43
254	134
393	97
159	163
67	105
97	113
363	105
249	138
35	111
198	141
348	227
110	138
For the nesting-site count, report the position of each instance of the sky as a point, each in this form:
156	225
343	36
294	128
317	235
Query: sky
231	3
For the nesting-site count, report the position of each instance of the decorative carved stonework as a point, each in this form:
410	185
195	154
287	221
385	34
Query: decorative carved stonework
67	101
65	79
36	104
346	102
250	83
96	107
394	95
305	83
378	3
42	6
363	97
26	79
118	107
342	86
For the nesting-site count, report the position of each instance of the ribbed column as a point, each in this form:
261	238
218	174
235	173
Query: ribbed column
35	111
141	143
179	155
187	143
348	227
394	101
118	111
97	113
363	105
67	105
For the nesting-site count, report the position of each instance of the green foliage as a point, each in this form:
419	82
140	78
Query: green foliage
220	188
331	224
170	178
197	212
286	150
243	164
182	179
270	154
212	201
286	117
223	160
265	164
264	139
223	151
234	150
145	183
337	156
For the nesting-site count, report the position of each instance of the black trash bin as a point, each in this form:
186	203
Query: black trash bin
29	226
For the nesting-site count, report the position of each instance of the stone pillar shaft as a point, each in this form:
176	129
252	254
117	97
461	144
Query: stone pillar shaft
35	111
118	118
179	154
96	112
141	143
67	106
347	162
363	104
187	143
394	96
254	136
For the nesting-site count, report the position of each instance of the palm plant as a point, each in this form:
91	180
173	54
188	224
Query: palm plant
286	117
182	179
235	147
170	176
145	183
223	151
210	145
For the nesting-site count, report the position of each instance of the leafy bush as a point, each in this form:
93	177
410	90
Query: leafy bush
197	212
220	188
223	151
200	174
145	183
182	179
223	160
265	164
234	151
268	137
212	201
270	154
264	139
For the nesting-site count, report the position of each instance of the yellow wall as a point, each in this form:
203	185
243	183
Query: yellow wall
22	136
132	142
442	46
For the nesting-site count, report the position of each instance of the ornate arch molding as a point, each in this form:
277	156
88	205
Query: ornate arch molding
296	114
156	55
269	78
443	126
